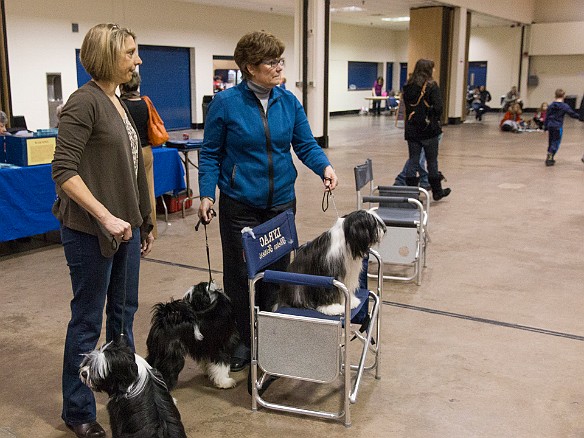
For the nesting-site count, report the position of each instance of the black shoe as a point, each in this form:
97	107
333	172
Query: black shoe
550	160
238	363
87	430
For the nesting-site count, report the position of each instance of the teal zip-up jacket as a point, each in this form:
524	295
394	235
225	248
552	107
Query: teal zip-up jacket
246	151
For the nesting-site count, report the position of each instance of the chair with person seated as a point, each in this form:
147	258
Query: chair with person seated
405	211
303	344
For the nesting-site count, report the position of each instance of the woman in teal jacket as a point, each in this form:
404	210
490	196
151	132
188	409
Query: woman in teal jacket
249	131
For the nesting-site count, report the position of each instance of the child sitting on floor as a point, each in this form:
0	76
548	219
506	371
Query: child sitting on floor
512	120
539	117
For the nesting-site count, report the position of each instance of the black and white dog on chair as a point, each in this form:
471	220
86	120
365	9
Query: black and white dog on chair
200	325
336	253
139	402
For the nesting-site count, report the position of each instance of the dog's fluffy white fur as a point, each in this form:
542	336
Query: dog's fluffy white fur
337	253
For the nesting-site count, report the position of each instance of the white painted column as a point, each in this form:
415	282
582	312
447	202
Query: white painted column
458	60
315	69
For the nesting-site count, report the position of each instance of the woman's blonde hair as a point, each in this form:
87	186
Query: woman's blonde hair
256	47
101	48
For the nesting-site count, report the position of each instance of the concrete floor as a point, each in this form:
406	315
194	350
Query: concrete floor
490	345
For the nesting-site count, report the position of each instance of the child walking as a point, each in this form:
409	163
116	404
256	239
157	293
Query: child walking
554	124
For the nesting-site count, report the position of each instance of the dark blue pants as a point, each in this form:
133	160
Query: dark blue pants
554	140
97	282
400	180
233	216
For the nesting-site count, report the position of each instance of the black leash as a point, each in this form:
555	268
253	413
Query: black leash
122	332
328	193
212	213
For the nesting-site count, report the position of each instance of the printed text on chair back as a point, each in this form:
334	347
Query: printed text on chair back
268	242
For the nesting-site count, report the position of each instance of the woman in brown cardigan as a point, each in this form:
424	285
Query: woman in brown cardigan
104	209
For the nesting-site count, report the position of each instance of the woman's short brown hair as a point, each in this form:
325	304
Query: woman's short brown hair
101	48
255	47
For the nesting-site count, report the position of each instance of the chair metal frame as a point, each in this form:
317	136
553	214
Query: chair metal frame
333	328
401	209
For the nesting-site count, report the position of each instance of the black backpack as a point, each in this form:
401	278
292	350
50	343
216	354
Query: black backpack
420	115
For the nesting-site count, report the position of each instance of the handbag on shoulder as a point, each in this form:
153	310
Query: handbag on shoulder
157	134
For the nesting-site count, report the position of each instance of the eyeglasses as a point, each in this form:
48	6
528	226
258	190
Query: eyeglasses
273	63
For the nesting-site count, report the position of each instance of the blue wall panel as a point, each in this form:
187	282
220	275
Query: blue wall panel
166	79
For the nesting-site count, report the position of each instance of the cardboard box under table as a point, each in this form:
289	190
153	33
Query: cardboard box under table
30	151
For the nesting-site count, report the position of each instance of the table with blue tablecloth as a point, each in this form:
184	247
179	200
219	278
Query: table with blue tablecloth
28	193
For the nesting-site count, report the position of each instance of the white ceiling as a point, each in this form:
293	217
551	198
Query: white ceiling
371	15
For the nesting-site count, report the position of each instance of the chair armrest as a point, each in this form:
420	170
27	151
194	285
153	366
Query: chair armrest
298	279
396	199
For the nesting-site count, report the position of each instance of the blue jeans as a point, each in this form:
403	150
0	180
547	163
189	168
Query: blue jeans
554	139
97	282
400	180
430	147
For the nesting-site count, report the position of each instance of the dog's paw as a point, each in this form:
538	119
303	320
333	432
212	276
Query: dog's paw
225	383
355	302
332	309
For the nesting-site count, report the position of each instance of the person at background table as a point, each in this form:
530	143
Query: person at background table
250	129
3	123
424	105
139	111
377	90
104	209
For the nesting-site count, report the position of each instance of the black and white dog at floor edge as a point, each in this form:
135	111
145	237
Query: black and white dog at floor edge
200	325
337	253
139	402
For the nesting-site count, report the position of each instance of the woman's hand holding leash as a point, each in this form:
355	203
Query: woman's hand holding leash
206	212
330	183
330	179
118	228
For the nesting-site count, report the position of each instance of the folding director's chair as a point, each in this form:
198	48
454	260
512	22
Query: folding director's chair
304	344
405	211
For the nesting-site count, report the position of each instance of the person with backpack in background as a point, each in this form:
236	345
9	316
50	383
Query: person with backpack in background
424	105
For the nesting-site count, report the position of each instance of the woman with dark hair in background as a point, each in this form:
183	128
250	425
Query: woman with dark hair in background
377	90
423	104
139	111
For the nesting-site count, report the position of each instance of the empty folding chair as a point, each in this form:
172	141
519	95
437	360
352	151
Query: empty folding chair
404	211
303	344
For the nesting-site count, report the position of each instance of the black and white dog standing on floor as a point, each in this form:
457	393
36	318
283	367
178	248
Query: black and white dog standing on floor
139	402
337	253
200	325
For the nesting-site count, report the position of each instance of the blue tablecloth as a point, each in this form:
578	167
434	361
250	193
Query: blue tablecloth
169	174
27	194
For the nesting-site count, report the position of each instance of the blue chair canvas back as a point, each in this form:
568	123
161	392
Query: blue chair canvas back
268	242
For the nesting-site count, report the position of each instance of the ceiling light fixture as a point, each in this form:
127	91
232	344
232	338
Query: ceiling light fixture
396	19
348	9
